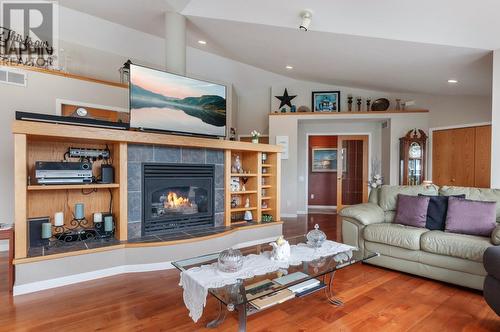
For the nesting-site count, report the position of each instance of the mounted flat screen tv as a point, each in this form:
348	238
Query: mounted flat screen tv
173	103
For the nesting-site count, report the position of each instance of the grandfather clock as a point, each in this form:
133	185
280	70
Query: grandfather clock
412	157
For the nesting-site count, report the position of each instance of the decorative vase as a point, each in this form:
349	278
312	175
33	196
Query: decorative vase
255	140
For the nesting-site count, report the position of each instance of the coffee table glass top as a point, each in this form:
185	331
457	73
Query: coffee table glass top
238	294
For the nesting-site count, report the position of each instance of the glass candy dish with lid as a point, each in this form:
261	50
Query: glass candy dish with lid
230	261
316	237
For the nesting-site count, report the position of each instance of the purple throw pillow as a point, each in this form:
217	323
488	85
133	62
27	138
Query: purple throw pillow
412	210
471	217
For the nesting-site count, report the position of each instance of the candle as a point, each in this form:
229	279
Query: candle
108	223
59	219
79	211
97	217
46	230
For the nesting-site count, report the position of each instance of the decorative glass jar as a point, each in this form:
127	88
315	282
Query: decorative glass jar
316	237
230	260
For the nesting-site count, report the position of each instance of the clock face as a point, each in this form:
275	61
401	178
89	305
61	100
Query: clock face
415	151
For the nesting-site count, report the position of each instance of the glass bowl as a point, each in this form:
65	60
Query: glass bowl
230	261
316	237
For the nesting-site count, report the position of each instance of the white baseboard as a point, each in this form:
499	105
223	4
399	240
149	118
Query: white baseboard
289	215
92	275
87	276
301	212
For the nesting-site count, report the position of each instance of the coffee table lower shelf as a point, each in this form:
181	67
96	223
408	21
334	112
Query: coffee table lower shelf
245	310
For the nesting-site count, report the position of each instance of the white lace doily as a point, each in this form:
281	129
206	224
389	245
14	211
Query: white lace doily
197	280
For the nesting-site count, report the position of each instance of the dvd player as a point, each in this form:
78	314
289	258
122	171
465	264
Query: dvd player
53	172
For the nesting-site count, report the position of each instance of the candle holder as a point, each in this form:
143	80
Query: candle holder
77	230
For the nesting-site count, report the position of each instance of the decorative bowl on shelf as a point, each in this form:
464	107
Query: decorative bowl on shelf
230	260
316	237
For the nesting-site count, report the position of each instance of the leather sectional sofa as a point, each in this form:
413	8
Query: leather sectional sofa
449	257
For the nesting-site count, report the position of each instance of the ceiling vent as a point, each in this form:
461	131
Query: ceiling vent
12	77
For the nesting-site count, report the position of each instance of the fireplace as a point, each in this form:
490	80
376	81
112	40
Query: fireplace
177	197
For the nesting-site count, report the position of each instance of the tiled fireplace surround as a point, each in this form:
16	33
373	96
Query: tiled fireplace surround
137	154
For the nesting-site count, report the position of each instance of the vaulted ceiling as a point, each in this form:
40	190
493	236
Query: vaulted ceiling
407	46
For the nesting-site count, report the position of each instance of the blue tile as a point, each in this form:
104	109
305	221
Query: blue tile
134	174
219	219
194	156
142	153
219	200
165	154
134	206
215	157
219	177
134	230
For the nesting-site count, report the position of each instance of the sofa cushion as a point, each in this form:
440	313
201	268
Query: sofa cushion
469	247
470	217
412	210
388	195
395	235
477	194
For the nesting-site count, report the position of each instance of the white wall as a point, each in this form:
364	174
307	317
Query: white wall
331	127
495	135
295	127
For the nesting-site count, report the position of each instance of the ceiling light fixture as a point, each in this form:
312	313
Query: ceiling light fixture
289	67
306	16
452	81
202	42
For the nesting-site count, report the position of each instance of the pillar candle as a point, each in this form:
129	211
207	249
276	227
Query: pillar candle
108	223
97	217
79	211
46	230
59	219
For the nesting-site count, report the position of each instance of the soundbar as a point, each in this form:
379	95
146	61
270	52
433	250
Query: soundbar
37	117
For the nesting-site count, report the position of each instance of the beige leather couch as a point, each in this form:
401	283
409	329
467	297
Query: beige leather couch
453	258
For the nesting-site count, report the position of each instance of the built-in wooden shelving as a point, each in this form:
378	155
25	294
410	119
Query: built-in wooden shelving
35	141
260	186
74	186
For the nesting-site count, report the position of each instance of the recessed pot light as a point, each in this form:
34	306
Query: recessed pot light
202	42
289	67
452	81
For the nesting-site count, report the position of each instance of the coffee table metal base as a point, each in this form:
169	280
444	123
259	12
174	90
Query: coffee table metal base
242	310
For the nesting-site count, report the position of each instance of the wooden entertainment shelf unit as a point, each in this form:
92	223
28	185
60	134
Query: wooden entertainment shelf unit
36	141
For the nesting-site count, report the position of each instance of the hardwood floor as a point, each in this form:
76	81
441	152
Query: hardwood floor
376	300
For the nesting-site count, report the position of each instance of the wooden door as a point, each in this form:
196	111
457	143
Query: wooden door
482	162
453	157
352	170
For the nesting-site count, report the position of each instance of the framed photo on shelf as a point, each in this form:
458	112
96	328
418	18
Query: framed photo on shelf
324	160
325	101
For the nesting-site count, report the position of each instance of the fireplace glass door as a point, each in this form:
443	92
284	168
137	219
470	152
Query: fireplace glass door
177	197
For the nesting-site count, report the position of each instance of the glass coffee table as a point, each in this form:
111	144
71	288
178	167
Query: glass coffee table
251	296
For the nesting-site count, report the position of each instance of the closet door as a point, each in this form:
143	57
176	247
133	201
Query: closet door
453	160
482	167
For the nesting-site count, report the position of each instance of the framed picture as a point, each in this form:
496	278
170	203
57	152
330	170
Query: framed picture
324	160
325	101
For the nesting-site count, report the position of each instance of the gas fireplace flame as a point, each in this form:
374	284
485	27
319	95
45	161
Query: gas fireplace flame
173	201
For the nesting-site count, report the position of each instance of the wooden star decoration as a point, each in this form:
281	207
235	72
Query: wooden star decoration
285	99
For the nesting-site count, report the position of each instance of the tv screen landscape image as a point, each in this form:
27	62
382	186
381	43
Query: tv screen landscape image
174	103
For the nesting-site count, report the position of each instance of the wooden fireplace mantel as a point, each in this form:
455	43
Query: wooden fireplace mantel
35	141
50	130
